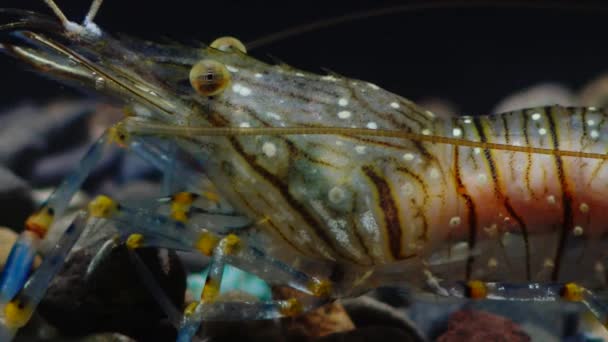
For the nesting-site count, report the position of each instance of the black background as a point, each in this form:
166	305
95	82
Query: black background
472	56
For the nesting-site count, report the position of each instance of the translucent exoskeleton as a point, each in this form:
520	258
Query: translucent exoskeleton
328	185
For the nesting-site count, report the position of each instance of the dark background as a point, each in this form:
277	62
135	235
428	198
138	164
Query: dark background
472	57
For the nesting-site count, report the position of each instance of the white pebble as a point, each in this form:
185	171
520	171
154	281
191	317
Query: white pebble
395	105
372	125
343	102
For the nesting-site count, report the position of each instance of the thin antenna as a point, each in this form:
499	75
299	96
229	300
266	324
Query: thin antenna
92	12
64	20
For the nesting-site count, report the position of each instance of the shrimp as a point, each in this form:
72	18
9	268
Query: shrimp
328	185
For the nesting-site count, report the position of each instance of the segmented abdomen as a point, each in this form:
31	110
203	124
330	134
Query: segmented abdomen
526	216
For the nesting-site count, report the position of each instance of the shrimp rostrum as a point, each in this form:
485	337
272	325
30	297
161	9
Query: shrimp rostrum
327	185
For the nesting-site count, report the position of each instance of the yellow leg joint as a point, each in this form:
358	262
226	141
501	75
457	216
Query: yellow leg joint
231	244
181	205
17	315
476	289
212	196
102	206
291	307
118	135
206	243
135	241
191	308
572	292
210	291
40	221
320	288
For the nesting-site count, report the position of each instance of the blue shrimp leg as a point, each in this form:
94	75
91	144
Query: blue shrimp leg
17	312
22	254
148	228
37	225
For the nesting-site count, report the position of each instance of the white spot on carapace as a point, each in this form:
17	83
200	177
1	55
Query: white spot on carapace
244	91
373	86
245	124
273	115
299	74
336	195
477	150
407	189
590	122
455	221
360	149
430	114
426	131
329	78
516	143
592	108
231	68
456	132
584	208
434	173
258	75
594	134
269	149
482	178
542	131
343	102
395	105
578	231
536	116
339	143
372	125
492	263
551	199
467	120
408	156
344	114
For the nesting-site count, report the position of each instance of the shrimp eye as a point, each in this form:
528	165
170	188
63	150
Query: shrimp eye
228	44
209	77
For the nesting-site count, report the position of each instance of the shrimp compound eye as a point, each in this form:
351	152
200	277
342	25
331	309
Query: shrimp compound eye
209	77
228	44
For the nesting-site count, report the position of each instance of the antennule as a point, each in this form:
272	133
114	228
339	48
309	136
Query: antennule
88	27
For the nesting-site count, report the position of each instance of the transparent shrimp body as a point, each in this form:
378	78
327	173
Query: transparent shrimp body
324	184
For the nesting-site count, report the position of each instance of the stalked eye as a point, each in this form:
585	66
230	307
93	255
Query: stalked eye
228	44
209	77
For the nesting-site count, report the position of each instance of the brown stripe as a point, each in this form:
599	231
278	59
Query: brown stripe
567	220
504	198
425	198
472	216
389	210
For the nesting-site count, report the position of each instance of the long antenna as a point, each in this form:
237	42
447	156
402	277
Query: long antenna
419	6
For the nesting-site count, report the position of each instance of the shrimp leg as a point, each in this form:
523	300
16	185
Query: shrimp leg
570	292
17	312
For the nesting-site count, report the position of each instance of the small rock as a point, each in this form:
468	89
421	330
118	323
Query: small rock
328	319
537	96
114	297
370	334
479	326
16	202
595	93
31	131
366	311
